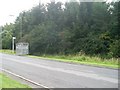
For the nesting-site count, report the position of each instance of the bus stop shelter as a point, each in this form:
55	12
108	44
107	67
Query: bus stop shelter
22	48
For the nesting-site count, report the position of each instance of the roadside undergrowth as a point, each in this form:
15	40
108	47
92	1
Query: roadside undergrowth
83	59
78	59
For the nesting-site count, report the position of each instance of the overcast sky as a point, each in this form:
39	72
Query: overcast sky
14	7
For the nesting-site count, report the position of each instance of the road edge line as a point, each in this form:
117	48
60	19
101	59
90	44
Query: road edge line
28	80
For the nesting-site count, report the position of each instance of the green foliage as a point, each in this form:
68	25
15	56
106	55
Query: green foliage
7	33
56	28
82	59
5	82
48	38
7	51
115	48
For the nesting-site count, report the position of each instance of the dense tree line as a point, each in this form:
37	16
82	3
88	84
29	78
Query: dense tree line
55	28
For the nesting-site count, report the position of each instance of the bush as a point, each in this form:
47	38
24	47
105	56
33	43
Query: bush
115	48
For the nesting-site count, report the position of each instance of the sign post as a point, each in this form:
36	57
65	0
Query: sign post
13	43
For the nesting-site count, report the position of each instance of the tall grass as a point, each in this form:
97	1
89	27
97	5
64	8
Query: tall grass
113	62
7	51
78	58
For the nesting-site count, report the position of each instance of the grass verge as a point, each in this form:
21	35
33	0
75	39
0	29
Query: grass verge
79	59
7	82
82	59
7	51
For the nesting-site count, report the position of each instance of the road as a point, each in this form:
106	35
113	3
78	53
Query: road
54	74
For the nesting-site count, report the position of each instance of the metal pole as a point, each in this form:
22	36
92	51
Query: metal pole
39	3
13	44
21	26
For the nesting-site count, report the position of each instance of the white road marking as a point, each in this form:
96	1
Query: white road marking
84	74
33	82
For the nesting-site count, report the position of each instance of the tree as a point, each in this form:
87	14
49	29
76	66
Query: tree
7	34
90	27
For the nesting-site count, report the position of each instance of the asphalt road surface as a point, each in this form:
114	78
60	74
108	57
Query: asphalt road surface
55	74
